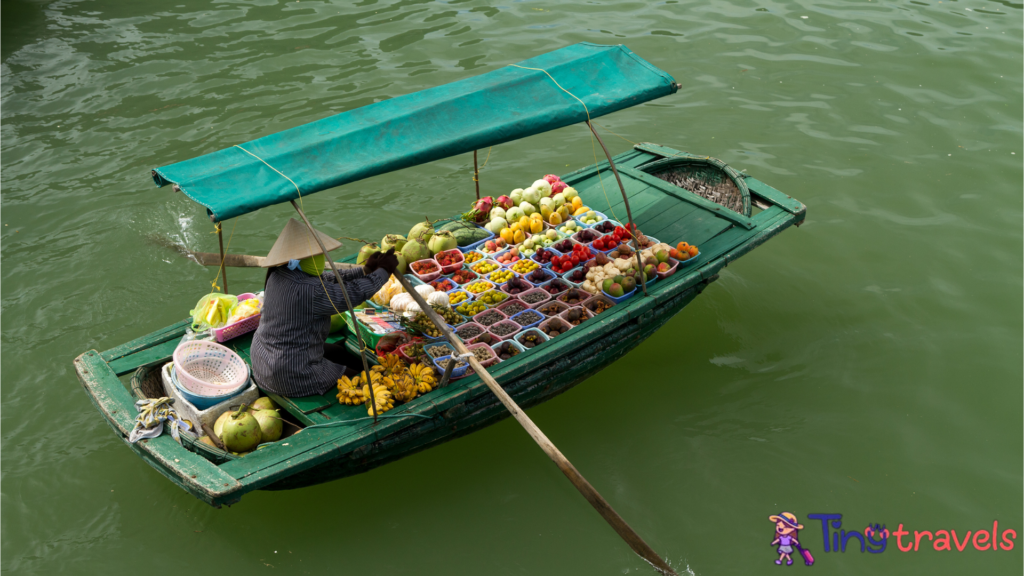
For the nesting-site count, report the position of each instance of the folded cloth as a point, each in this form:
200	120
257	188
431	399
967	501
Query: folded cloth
153	412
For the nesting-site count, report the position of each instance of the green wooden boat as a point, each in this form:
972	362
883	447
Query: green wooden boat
745	213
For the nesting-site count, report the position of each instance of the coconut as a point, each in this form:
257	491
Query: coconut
415	249
441	241
241	431
264	403
495	225
422	231
218	426
270	425
402	264
365	251
396	241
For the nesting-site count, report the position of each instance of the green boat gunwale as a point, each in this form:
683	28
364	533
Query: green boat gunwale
320	454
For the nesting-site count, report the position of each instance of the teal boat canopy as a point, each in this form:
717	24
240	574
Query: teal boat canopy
506	104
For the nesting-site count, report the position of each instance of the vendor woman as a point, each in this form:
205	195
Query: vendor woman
290	355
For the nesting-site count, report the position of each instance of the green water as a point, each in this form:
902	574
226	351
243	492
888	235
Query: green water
868	363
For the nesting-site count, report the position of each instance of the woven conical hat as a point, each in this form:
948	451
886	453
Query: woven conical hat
296	243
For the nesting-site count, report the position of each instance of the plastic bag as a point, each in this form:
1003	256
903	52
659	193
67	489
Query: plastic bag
212	311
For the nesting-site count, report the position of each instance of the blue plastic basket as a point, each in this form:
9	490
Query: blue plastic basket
456	372
510	343
689	260
601	219
527	327
204	402
620	298
445	345
519	337
613	222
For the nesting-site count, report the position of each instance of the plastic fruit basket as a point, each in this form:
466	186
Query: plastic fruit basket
208	369
620	298
552	308
673	265
519	319
528	296
689	260
574	293
600	218
205	402
507	289
593	302
433	269
504	330
451	267
504	345
507	305
552	323
243	326
457	372
587	314
465	331
557	284
491	312
542	336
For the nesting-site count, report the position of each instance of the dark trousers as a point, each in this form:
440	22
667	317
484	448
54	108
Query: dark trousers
341	355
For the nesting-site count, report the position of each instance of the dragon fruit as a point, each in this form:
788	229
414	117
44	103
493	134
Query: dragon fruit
551	178
481	210
557	187
505	202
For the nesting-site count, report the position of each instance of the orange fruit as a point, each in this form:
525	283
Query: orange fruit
682	246
693	251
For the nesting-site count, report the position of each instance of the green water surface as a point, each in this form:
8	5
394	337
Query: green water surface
868	363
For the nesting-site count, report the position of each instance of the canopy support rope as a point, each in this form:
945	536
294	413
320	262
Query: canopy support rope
633	229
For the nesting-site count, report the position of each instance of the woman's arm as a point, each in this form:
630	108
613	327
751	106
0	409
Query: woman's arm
360	288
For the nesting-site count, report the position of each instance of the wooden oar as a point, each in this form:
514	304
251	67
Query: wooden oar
599	503
596	500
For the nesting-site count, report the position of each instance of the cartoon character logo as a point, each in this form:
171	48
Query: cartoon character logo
786	530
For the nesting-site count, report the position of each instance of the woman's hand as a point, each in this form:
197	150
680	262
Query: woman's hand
387	261
372	263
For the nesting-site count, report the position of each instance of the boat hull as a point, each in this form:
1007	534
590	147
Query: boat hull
348	446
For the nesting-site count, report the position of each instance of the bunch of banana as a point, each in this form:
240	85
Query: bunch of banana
403	387
389	365
381	398
423	375
350	391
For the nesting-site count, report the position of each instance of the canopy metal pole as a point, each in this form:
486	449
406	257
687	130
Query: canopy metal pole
476	176
351	309
223	268
600	504
632	226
